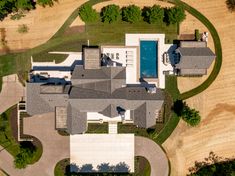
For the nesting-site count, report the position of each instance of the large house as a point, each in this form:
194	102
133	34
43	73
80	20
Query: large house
94	90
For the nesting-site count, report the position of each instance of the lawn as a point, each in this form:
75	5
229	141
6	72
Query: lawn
142	166
7	140
99	33
97	128
130	128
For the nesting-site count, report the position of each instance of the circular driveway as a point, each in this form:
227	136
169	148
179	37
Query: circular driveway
154	154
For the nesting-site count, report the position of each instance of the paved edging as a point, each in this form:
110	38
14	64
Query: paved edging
154	154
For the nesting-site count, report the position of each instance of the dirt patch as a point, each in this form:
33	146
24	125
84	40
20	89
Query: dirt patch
219	108
13	123
74	30
42	24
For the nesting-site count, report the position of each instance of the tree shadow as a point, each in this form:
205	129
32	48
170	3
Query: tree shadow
178	107
230	5
86	168
121	167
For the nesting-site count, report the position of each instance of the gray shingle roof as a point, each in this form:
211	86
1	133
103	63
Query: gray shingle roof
129	93
80	73
100	91
139	113
35	104
110	111
76	121
195	58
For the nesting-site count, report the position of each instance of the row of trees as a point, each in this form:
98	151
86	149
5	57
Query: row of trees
132	14
9	6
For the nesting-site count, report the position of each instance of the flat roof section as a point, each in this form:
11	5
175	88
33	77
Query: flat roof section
92	58
96	149
61	117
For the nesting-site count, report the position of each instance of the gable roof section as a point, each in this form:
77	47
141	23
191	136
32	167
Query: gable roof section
195	58
81	73
35	104
76	120
129	93
110	111
139	116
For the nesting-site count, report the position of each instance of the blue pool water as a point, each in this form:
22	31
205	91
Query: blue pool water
148	59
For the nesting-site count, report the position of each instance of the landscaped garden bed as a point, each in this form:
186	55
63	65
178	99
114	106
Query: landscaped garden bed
9	138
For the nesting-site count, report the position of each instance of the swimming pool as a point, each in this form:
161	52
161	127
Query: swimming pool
148	59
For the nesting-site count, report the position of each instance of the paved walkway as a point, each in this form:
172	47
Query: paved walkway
12	92
154	154
55	147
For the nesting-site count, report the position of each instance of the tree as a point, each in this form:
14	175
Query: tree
24	4
45	3
6	7
110	13
197	35
87	13
175	15
231	5
191	116
24	157
131	14
154	14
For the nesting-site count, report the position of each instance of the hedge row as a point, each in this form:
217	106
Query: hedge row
132	14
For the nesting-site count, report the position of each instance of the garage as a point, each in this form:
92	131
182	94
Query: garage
102	152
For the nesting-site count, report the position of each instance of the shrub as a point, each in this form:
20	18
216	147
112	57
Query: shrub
131	14
175	15
24	157
87	13
45	3
17	15
197	35
190	116
23	28
154	14
24	4
4	116
231	5
110	13
6	7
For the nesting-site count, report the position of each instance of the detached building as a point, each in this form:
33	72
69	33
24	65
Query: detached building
194	58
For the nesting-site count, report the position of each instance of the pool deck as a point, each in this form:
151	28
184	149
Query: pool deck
130	63
134	40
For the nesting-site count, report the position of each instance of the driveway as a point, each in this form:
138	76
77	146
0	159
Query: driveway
55	147
154	154
12	92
